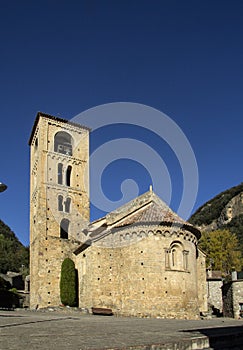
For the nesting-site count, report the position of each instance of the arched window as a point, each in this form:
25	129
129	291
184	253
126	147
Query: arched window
60	203
173	257
176	257
68	175
63	143
67	205
59	173
167	258
185	259
64	226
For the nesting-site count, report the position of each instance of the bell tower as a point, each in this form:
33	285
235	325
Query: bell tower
59	201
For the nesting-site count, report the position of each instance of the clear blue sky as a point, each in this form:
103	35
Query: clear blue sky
184	58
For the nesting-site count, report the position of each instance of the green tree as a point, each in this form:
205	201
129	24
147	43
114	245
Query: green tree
13	255
221	247
68	285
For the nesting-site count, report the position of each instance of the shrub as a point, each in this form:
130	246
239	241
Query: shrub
68	288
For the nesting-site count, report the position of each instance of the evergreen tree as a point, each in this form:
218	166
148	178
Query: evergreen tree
68	287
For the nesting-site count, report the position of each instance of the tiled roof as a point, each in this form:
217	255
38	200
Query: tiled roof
145	209
151	212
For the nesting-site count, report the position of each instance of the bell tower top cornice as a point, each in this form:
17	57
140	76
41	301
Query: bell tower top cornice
55	119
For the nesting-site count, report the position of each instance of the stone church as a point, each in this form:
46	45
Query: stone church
140	260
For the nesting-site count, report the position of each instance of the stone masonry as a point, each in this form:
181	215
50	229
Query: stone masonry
138	264
59	201
233	299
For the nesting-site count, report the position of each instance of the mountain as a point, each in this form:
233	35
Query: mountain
13	255
225	211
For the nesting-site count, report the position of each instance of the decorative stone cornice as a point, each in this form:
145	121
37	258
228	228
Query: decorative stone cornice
34	195
62	189
34	136
145	230
68	126
64	157
118	237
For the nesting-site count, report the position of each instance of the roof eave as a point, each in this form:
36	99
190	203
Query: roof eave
52	117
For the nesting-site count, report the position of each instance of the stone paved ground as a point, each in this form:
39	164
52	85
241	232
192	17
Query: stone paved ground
31	330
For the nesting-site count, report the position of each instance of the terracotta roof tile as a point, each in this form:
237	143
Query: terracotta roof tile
145	209
152	212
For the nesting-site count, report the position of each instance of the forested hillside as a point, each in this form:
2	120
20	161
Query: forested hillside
221	223
211	210
13	255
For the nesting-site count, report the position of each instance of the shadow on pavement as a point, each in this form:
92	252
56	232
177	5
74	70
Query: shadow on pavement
222	337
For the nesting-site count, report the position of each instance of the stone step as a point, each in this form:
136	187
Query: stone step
229	341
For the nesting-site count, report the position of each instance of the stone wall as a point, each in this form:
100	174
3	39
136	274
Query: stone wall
45	289
227	292
201	281
215	293
237	297
233	298
137	278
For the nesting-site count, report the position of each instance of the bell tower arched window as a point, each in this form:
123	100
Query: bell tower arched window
64	226
63	143
60	203
59	173
68	175
67	205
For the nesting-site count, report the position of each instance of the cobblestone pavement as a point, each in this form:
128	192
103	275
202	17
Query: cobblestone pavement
33	330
